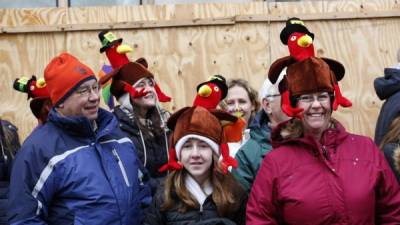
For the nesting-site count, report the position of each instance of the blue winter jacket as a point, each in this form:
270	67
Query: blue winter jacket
66	173
387	88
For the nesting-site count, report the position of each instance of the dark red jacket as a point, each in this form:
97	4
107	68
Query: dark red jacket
344	180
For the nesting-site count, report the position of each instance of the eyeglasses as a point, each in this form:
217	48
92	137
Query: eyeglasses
271	96
321	97
87	90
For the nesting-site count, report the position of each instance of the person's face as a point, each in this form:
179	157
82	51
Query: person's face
149	100
196	158
238	100
83	102
272	106
317	111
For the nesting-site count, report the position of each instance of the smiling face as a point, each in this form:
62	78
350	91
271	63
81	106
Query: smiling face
196	158
317	112
83	102
149	100
238	101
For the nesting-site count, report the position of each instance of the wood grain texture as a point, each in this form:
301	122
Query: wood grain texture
181	57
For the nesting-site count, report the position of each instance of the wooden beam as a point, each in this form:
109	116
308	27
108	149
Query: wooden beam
198	22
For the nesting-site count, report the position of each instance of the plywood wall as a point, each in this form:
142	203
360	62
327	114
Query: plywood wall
182	55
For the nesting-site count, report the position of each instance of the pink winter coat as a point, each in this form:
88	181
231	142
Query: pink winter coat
345	180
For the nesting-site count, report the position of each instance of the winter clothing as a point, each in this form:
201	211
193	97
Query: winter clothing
199	121
156	216
344	179
154	154
63	75
67	172
387	88
251	154
9	144
392	155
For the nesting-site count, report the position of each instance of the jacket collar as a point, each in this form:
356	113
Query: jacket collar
331	137
81	126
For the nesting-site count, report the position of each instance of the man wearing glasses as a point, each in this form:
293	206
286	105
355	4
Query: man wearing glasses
251	154
78	168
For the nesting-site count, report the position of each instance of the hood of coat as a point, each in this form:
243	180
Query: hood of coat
389	84
81	126
284	134
259	129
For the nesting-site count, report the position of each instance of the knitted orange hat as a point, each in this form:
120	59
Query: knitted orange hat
63	76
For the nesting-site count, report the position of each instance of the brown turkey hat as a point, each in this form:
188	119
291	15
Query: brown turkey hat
307	76
129	73
199	121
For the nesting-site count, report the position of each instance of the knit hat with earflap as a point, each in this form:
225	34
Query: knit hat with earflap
63	75
198	122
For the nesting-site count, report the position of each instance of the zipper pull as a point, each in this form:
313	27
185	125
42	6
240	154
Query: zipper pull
325	152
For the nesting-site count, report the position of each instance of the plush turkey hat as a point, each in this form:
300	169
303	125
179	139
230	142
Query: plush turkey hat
307	76
294	24
220	81
129	74
199	121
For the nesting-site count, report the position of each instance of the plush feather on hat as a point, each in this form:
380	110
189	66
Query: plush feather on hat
116	54
303	66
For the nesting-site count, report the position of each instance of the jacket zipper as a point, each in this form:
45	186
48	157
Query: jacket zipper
325	152
121	167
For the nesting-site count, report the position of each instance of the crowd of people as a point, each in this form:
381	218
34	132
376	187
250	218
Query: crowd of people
235	156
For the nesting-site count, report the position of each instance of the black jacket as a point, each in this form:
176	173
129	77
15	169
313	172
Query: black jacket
205	216
156	150
8	147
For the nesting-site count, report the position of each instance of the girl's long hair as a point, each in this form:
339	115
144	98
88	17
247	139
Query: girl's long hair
393	134
226	191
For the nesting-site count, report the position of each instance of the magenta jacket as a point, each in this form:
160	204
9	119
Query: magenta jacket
345	180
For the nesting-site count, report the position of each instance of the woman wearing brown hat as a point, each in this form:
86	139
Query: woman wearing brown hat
318	173
139	114
198	190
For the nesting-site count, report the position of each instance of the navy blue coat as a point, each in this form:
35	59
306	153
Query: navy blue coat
387	88
66	173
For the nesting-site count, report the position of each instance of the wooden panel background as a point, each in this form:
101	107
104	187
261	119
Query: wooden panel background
182	55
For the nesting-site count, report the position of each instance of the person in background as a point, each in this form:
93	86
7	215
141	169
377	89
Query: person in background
77	168
9	145
198	190
388	88
36	89
139	114
251	154
318	173
241	100
390	145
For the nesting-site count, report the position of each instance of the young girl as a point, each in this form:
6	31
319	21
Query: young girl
198	188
